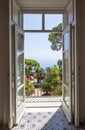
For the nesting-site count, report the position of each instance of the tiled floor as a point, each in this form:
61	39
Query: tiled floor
44	114
44	119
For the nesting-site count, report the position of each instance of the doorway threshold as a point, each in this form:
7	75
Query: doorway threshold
43	102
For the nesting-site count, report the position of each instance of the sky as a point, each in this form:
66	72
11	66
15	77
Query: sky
37	45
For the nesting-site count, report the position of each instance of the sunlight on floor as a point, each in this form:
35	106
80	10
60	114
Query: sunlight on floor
40	109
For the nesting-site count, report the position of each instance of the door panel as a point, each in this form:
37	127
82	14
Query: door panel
67	73
73	73
18	74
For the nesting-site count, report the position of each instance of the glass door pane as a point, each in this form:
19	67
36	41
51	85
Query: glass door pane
19	87
66	67
67	74
20	69
32	22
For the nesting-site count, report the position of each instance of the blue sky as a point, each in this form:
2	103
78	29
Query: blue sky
37	45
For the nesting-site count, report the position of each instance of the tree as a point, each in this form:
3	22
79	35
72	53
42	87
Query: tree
39	71
51	80
55	76
56	38
59	63
29	87
30	65
47	84
47	69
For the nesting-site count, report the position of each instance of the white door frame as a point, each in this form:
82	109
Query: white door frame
68	108
17	111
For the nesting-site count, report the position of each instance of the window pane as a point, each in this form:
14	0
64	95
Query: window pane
66	68
20	97
20	59
32	22
66	41
20	70
20	42
66	96
52	20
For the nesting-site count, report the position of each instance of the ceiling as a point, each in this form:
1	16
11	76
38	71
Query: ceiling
43	3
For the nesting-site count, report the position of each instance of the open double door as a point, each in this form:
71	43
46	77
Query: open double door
68	85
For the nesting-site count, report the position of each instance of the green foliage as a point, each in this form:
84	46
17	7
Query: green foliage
59	62
39	70
54	69
47	84
52	79
56	38
31	62
58	28
32	66
58	91
29	87
55	75
48	69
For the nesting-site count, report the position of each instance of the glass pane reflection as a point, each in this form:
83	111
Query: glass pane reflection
66	67
32	21
52	20
20	97
20	42
20	70
66	42
66	96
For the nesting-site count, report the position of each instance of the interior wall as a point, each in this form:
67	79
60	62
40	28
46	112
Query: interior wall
16	19
1	90
82	56
4	61
8	18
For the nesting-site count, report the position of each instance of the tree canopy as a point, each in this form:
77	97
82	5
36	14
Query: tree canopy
59	63
31	62
32	65
56	38
51	80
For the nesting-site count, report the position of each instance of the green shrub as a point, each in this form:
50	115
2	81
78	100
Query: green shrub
58	91
29	87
